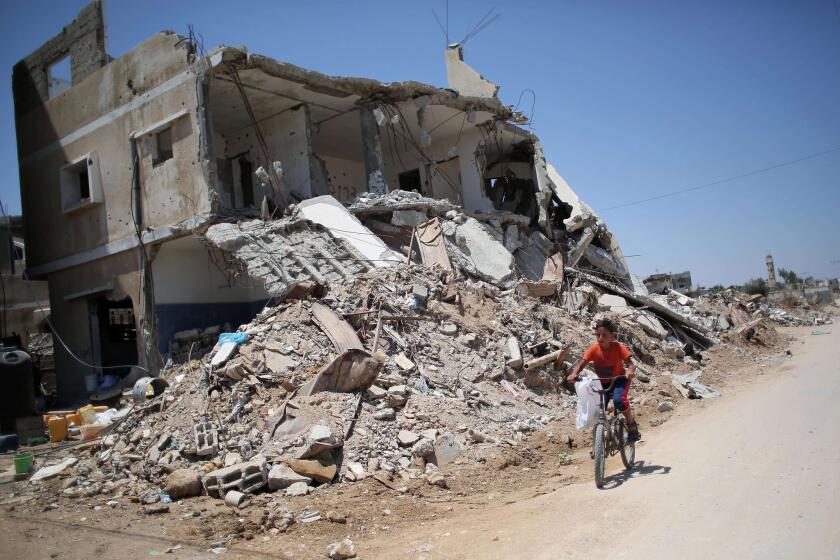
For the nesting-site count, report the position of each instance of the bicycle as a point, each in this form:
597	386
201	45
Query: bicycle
610	436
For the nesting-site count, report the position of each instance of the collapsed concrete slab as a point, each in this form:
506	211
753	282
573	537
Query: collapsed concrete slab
286	252
474	250
331	214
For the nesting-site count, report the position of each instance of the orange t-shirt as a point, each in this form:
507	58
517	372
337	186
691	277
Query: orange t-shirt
609	363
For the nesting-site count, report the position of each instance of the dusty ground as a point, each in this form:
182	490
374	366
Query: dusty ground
489	486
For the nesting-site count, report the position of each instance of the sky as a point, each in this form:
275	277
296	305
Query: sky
631	100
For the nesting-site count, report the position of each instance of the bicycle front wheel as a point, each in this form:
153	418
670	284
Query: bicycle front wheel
628	450
599	453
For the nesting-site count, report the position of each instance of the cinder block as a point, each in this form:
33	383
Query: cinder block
206	439
243	477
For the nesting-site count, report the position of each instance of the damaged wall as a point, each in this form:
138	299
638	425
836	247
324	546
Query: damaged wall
194	289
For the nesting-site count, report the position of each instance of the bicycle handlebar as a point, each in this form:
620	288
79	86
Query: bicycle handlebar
612	381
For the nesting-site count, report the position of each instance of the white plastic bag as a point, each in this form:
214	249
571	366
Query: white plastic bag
587	405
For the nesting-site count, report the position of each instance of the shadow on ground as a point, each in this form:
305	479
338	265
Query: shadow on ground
639	469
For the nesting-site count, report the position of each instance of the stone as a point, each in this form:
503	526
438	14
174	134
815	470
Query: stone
232	458
336	517
319	470
410	218
448	329
342	550
281	476
298	489
396	401
406	438
423	448
183	483
385	414
665	406
673	351
375	392
436	479
447	449
156	509
320	432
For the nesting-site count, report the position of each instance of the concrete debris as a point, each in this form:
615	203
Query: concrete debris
281	476
286	252
319	470
298	489
447	449
244	477
342	550
690	388
475	251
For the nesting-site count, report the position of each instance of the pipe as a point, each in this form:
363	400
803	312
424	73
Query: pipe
557	356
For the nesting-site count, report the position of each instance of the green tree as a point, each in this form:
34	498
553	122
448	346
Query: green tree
755	286
717	288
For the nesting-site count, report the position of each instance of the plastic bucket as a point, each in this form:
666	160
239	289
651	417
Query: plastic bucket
23	463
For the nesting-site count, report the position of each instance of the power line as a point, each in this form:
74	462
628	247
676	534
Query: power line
727	180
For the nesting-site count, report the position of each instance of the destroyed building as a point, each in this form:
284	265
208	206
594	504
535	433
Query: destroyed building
123	171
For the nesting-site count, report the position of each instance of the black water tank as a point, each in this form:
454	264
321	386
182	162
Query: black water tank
17	397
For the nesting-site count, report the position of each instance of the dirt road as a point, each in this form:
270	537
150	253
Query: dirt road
755	474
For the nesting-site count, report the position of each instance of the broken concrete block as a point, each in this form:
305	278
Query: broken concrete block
183	483
352	370
515	352
651	325
403	362
410	218
281	476
447	449
406	438
244	477
278	363
615	304
476	251
225	352
320	470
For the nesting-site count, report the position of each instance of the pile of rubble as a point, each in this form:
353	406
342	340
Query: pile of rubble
390	368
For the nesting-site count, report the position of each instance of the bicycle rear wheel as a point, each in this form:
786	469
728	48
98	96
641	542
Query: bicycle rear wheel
599	453
628	450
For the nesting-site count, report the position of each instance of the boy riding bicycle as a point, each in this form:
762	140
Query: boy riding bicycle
609	359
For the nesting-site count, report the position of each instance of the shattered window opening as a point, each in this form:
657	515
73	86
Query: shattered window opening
59	76
84	183
410	180
163	146
247	182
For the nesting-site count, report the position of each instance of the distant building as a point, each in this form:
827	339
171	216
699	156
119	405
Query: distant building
661	283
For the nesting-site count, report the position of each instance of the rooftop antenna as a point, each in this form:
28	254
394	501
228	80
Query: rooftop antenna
480	26
442	30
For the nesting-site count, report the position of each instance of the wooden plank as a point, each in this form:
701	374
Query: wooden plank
429	237
339	331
